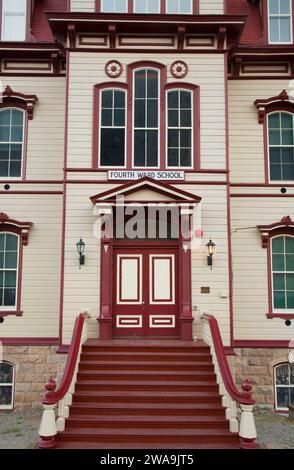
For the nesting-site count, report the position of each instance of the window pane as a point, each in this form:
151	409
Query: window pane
274	30
139	150
173	99
16	134
140	84
292	374
185	157
4	151
285	6
282	397
152	84
140	113
274	121
11	242
152	148
288	155
173	118
147	6
287	137
2	239
14	20
286	121
11	260
10	279
274	6
16	152
5	117
275	155
107	96
152	113
292	395
6	373
288	172
4	134
282	374
274	137
173	138
114	6
9	297
186	138
279	299
186	119
290	281
285	29
290	262
4	169
119	99
290	244
112	147
290	300
173	157
17	117
278	263
279	282
278	245
178	6
5	395
119	117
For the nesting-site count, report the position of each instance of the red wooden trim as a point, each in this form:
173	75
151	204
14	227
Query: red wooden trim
12	98
94	170
223	363
51	398
142	51
63	228
62	349
171	183
96	118
139	280
254	343
16	313
171	278
29	341
283	316
46	64
32	182
30	192
261	195
15	226
261	185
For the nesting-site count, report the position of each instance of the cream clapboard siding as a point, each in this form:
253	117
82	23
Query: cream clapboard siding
211	7
41	265
82	5
45	139
206	70
247	153
250	268
82	286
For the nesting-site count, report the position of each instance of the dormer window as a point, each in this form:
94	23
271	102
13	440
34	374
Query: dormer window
280	21
14	20
172	7
147	6
179	6
114	6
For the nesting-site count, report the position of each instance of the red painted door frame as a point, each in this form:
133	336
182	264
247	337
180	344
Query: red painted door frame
105	318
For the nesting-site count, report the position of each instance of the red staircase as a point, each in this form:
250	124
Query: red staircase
135	394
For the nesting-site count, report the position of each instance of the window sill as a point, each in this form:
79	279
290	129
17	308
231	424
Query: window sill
283	316
6	313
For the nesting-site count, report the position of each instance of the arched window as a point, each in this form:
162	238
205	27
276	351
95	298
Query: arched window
6	385
9	254
284	386
146	118
282	253
11	142
112	128
280	21
179	128
281	146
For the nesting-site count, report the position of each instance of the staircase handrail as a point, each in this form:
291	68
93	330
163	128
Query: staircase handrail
244	397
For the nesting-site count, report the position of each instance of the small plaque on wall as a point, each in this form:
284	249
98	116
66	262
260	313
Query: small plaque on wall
205	290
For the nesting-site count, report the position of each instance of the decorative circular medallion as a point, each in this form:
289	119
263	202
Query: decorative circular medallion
179	69
113	69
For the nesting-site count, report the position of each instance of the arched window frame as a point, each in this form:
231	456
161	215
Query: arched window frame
11	405
281	103
195	125
283	228
98	89
129	89
277	408
21	230
8	106
163	9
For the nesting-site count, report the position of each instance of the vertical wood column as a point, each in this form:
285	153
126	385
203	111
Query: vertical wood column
186	317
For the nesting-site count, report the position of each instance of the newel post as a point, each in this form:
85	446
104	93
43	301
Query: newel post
48	430
247	425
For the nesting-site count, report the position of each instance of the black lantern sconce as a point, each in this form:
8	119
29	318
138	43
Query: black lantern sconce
80	249
211	251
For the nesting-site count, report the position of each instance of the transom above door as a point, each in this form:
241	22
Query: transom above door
145	292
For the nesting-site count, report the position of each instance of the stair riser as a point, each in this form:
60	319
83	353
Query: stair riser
147	349
129	412
159	425
146	358
97	377
147	367
164	400
130	440
144	387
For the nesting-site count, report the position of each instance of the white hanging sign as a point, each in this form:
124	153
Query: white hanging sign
158	175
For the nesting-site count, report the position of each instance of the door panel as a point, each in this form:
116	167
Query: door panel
145	292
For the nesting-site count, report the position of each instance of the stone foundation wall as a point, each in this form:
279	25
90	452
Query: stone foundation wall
258	365
34	365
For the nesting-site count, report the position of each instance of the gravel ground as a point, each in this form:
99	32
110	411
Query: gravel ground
19	430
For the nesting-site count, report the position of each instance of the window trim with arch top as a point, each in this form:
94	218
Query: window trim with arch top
12	385
21	230
282	229
164	88
130	8
288	386
280	104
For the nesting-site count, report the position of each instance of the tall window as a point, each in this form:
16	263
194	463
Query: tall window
283	273
146	118
280	21
114	6
113	128
14	18
281	146
284	381
6	385
179	132
9	247
11	142
147	6
179	6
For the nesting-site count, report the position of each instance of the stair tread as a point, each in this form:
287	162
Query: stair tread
180	373
149	418
147	353
148	406
68	444
146	432
146	363
130	393
157	383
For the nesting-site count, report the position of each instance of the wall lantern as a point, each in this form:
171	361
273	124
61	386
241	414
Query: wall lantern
80	249
211	251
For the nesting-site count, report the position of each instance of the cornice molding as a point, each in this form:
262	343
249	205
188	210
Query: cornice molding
26	101
267	231
264	105
22	228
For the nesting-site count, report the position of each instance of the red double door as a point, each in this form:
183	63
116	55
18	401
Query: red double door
146	292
